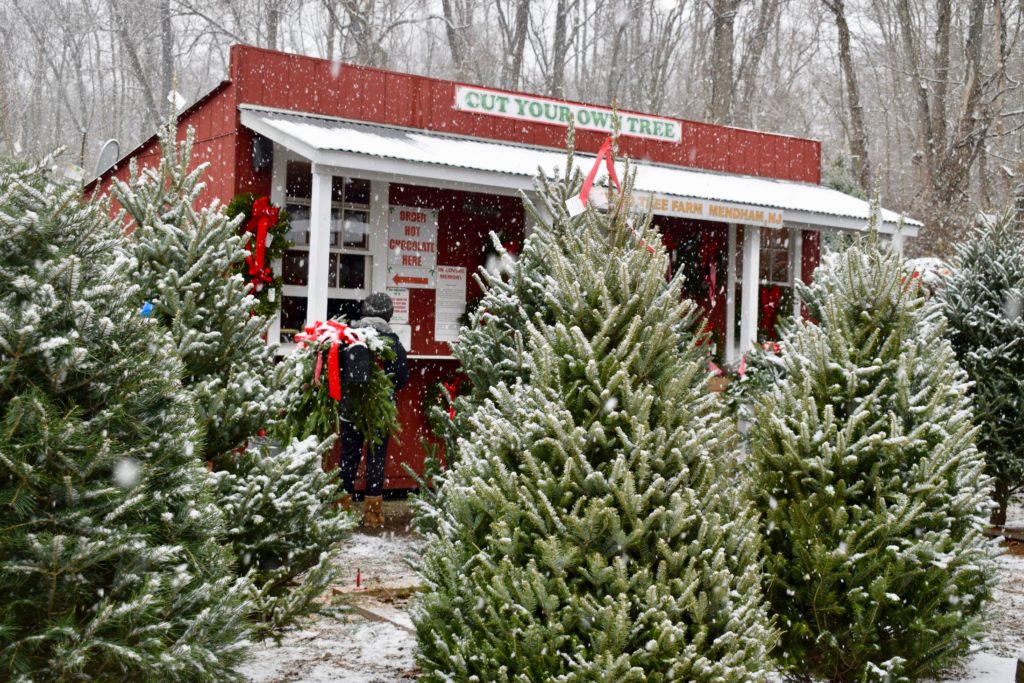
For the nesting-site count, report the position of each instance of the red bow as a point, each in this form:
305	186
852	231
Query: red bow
770	297
604	153
334	333
263	217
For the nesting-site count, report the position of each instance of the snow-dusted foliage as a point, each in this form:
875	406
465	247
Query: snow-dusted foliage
982	300
872	494
593	527
112	556
182	257
280	520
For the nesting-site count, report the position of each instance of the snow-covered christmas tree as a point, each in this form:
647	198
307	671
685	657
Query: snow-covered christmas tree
592	528
491	346
982	300
184	251
872	493
278	501
112	557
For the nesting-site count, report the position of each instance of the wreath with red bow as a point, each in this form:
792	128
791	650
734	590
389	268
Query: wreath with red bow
439	404
265	228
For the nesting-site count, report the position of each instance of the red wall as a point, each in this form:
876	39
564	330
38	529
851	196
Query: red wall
275	79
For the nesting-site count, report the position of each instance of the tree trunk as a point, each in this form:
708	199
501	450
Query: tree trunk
751	62
1001	495
858	131
167	60
128	45
273	23
925	134
723	43
559	49
454	31
514	70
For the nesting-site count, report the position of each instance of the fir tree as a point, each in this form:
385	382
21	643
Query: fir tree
279	504
183	255
281	522
491	346
591	528
871	491
982	301
112	564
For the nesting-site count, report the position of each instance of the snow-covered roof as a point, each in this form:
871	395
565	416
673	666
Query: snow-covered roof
408	155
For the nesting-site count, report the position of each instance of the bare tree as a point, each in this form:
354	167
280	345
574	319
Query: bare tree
858	129
514	38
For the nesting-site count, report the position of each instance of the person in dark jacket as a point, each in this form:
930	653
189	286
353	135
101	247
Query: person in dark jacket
376	313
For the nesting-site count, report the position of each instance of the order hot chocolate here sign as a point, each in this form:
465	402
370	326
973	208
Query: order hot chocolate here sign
412	247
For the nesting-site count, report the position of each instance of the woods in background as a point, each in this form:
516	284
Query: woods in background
917	99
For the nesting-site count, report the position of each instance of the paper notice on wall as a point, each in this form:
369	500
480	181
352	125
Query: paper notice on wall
450	303
400	298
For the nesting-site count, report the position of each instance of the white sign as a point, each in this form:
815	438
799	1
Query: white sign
556	112
412	247
450	303
708	210
400	298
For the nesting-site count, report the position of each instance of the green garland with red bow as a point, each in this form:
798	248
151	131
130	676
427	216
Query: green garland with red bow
317	392
265	228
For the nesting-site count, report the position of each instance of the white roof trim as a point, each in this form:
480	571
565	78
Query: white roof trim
435	159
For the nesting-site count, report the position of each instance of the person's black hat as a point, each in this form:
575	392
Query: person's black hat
378	305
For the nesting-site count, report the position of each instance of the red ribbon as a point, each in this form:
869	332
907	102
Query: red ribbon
334	333
263	217
333	373
604	153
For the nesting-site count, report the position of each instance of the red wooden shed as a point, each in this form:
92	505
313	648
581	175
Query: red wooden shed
394	182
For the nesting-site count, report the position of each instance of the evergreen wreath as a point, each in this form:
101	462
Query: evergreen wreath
262	282
439	404
311	407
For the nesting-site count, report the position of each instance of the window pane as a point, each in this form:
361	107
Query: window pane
347	308
295	267
293	317
351	271
357	191
299	232
780	266
356	229
332	269
337	188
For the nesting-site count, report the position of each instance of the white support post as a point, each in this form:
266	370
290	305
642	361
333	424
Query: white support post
319	248
796	237
730	299
751	277
897	243
278	193
380	195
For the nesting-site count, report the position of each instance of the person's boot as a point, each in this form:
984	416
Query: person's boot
345	503
373	515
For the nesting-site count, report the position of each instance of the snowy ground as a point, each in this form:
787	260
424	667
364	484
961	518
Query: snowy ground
364	635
